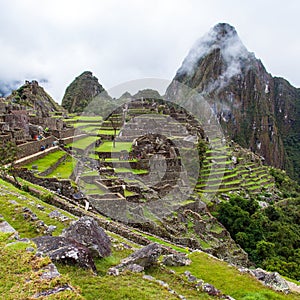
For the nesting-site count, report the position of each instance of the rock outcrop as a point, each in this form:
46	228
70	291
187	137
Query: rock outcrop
87	232
139	260
270	279
176	260
64	250
256	110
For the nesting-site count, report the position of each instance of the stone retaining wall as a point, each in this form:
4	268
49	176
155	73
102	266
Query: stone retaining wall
62	134
34	147
71	139
39	155
53	166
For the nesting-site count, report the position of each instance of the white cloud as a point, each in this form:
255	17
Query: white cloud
127	40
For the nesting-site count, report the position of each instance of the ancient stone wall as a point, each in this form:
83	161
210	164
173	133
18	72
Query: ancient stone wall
54	166
62	134
71	139
41	154
34	147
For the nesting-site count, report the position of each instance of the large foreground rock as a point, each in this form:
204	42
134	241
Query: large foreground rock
64	250
87	232
145	257
139	260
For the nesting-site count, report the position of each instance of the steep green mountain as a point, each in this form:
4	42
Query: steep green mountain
32	96
81	92
256	110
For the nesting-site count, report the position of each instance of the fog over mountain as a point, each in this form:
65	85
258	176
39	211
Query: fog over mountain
126	40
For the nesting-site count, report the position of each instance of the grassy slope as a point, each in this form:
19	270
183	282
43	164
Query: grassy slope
128	286
20	272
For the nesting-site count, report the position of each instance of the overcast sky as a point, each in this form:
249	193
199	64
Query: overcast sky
126	40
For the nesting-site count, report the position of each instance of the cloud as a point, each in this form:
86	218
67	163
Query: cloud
126	40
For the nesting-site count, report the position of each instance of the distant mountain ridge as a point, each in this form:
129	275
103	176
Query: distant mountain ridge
33	96
256	110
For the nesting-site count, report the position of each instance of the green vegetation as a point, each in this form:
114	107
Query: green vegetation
20	272
228	279
17	265
12	202
91	189
107	132
287	186
134	171
65	169
271	236
83	143
45	162
87	118
107	146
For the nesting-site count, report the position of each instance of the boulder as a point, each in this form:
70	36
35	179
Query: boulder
7	228
272	280
49	272
176	260
145	257
135	268
87	232
64	250
211	290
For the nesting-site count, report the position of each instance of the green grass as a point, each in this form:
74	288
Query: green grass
87	118
65	169
45	162
134	171
128	286
90	188
13	213
107	132
90	129
83	143
107	146
228	279
81	126
115	159
20	272
128	193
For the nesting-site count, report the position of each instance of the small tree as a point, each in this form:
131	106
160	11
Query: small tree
8	155
115	124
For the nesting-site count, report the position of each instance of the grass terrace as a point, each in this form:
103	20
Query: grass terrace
83	143
91	189
45	162
107	146
85	118
134	171
65	169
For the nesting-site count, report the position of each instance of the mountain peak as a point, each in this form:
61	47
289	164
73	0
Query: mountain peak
223	30
221	37
81	92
